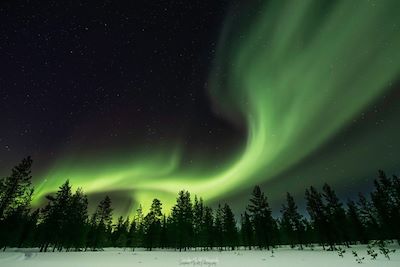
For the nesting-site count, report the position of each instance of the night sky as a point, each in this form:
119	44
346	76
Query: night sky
140	99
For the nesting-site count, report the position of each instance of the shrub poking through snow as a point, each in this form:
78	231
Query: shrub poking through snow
371	252
384	250
358	258
341	251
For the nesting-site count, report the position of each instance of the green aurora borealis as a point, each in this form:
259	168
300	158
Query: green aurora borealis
295	74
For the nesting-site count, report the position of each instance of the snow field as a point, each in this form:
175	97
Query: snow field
114	257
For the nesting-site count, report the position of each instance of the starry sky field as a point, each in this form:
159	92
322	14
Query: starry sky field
140	99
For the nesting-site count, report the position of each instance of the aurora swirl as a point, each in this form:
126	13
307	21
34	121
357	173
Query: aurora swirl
294	73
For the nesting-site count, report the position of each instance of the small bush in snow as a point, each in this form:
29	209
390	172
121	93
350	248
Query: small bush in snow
358	258
384	250
341	251
371	252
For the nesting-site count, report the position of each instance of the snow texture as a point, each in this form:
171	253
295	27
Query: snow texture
113	257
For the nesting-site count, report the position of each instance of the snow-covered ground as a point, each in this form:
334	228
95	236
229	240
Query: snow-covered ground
118	257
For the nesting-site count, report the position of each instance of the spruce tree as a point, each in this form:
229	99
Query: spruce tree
384	200
120	233
369	218
123	238
60	215
101	224
218	227
130	239
14	226
230	232
261	218
182	218
152	225
61	209
139	231
15	188
91	240
396	191
164	232
207	232
77	221
336	216
198	221
27	238
54	227
317	211
356	227
292	222
396	205
246	231
172	232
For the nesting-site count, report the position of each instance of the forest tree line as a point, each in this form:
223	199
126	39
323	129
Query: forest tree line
65	223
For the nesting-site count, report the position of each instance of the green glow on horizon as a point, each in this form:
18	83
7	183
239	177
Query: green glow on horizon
296	78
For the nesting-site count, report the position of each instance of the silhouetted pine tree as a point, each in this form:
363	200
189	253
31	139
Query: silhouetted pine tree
123	237
396	190
172	232
263	223
207	232
292	223
15	198
104	212
229	229
13	227
139	235
336	216
152	225
76	227
246	231
120	233
218	227
384	199
28	236
182	219
317	211
91	239
130	239
198	221
396	205
164	232
14	188
101	225
54	228
310	234
369	218
61	213
356	227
